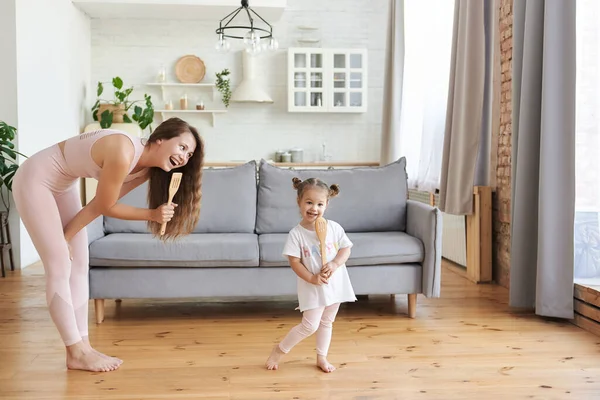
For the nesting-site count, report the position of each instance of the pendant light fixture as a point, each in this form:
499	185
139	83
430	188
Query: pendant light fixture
256	37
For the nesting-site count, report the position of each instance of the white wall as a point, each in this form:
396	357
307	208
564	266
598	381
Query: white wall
8	93
53	75
135	49
8	66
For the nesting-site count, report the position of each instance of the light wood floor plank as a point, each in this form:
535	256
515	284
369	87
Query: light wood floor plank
466	345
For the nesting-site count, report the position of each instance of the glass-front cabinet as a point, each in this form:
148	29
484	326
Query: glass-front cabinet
327	80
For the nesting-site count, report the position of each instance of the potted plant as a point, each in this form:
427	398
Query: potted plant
117	109
222	84
8	160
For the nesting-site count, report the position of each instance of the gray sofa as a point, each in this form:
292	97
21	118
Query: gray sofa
235	250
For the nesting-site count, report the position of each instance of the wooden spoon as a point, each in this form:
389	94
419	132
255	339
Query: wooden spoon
321	229
173	188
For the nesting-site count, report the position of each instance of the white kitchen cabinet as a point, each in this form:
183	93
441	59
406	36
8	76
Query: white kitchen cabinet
327	80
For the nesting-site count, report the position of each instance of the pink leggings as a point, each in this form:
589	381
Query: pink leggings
47	198
318	320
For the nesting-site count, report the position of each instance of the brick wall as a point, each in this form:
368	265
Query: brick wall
501	198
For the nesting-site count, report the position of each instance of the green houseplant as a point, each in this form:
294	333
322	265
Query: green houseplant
118	108
8	160
222	84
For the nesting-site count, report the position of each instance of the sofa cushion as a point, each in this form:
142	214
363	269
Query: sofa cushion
369	248
195	250
136	198
228	200
228	203
370	200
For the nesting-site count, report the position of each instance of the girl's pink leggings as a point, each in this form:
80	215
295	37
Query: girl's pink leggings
47	198
318	320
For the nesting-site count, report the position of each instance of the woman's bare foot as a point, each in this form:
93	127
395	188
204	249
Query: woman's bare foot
324	364
86	341
274	358
82	356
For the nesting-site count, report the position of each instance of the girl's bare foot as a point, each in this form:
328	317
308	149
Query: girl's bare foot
81	356
86	340
274	358
324	364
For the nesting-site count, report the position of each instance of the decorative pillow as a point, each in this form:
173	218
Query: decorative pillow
371	199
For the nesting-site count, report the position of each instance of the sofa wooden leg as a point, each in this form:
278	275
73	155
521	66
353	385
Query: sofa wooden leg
412	305
99	308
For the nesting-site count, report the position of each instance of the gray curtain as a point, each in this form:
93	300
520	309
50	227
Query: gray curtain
394	76
543	156
467	140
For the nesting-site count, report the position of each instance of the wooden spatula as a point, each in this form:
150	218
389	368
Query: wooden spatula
173	187
321	229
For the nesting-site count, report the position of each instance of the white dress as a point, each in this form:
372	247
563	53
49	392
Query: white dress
304	244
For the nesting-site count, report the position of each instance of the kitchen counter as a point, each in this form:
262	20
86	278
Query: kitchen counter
223	164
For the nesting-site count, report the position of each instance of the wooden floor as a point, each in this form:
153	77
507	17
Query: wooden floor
466	345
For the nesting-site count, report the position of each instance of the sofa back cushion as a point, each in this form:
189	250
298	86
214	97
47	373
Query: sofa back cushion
370	200
228	203
228	200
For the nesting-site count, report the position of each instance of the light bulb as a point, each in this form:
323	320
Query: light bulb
273	44
254	49
252	37
222	44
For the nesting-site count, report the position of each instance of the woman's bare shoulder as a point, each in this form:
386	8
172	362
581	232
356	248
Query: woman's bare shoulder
113	147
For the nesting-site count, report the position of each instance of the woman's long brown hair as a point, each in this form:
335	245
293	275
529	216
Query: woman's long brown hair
189	195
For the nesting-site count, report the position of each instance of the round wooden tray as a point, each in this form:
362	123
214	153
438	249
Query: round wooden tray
190	69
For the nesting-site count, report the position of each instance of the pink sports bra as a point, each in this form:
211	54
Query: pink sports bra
78	154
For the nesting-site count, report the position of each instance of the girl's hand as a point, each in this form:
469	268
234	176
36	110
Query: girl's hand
329	269
163	213
318	279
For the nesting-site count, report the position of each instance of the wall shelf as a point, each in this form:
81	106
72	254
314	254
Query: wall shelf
212	112
164	87
177	84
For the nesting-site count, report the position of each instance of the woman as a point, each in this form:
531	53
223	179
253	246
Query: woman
48	202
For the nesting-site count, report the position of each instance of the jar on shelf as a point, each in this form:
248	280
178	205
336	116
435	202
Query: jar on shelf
297	155
183	102
278	155
286	157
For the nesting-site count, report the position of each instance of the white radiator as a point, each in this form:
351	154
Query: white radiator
454	231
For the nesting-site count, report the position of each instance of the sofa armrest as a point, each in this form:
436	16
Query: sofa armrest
425	223
95	229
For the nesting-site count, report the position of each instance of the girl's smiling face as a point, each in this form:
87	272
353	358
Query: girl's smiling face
312	204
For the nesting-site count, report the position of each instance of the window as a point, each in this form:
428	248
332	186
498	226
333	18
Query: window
587	166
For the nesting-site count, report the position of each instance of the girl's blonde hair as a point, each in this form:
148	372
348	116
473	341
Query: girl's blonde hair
302	185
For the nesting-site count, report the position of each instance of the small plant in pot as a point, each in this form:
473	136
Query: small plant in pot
8	161
107	112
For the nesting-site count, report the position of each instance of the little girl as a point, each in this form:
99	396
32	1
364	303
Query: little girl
321	289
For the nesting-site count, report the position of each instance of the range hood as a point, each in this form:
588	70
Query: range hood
250	90
207	10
